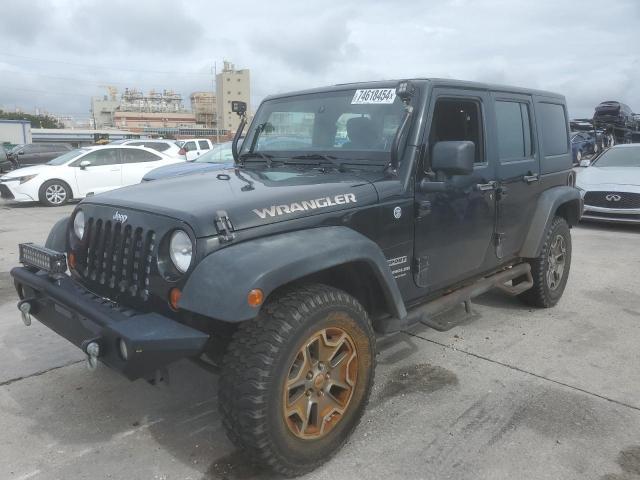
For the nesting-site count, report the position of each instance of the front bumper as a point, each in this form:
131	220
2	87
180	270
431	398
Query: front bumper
70	310
611	215
13	191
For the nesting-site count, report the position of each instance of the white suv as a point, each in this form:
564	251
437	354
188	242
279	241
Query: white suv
194	147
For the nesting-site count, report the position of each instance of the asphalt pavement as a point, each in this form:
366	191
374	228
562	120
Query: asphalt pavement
511	393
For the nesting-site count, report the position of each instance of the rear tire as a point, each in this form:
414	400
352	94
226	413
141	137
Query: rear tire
296	380
550	270
54	193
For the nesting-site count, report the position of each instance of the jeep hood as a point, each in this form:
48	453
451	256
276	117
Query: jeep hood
183	168
250	198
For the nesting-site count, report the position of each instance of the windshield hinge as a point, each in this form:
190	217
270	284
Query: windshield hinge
224	226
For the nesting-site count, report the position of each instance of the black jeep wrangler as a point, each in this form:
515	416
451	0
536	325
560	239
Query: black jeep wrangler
352	210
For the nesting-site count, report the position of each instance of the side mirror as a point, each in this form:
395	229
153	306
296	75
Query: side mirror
585	163
239	107
453	158
84	164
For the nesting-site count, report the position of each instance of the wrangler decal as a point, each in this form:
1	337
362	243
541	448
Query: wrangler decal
303	206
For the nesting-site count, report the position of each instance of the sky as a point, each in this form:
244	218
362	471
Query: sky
55	55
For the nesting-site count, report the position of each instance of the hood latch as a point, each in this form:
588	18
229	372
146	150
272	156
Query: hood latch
224	226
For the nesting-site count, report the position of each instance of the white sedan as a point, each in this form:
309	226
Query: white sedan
81	172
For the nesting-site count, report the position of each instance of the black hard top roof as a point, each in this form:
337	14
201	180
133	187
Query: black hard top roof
436	82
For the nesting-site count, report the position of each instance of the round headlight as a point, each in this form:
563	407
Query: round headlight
180	250
78	224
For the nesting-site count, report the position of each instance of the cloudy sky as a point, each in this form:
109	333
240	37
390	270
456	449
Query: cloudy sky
56	54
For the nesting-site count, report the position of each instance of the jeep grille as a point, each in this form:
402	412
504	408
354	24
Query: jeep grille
117	257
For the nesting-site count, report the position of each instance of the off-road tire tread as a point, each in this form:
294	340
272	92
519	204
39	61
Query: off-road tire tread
244	378
537	295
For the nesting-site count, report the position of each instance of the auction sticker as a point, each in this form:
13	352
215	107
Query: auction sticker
374	95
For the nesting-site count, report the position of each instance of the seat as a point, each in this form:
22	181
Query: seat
361	133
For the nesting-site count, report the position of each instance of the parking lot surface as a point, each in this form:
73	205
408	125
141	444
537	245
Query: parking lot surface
511	393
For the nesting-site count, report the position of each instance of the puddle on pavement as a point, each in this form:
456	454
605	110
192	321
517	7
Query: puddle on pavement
420	378
629	462
236	466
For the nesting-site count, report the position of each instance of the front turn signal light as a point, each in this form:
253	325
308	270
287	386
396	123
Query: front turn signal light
255	297
174	298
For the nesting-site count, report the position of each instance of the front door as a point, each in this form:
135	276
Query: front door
518	170
454	229
102	174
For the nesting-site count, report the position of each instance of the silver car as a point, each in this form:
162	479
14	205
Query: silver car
610	186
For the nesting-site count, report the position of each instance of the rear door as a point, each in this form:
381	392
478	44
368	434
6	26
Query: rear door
136	162
103	174
518	169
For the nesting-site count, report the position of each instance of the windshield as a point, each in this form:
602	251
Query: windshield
67	157
619	157
218	154
349	124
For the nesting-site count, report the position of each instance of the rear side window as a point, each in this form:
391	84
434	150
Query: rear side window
553	125
204	145
157	146
514	130
131	155
189	146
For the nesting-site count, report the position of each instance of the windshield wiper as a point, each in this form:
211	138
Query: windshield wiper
317	156
265	156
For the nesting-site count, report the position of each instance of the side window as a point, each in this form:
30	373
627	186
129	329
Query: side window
204	145
100	158
455	120
131	155
514	130
158	147
189	146
553	124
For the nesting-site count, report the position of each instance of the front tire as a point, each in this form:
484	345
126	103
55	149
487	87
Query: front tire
550	270
54	193
296	380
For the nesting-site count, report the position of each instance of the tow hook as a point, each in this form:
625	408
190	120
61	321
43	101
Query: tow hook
25	309
93	352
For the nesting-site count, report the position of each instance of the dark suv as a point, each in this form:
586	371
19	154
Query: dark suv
614	113
37	153
397	201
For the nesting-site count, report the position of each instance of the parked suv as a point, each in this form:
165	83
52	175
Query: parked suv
37	153
398	201
192	148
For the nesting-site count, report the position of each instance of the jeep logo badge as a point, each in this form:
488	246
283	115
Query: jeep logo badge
120	217
613	197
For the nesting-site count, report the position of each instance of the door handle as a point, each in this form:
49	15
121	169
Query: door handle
485	187
531	178
115	169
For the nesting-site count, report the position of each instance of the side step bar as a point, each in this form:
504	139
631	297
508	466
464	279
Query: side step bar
426	313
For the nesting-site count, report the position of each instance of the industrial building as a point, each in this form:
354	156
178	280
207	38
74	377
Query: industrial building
231	84
14	132
204	106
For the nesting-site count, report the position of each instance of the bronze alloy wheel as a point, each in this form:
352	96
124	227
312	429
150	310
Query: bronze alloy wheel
557	253
320	383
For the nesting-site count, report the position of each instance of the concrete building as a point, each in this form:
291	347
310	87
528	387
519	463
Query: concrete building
231	84
15	131
203	106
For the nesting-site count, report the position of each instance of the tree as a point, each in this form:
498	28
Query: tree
37	121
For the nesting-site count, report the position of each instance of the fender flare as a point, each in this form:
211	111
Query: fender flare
219	285
57	239
564	198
